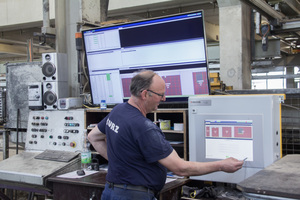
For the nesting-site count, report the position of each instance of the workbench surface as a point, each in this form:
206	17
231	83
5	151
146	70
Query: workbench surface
281	179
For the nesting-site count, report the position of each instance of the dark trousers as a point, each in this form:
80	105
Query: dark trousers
123	193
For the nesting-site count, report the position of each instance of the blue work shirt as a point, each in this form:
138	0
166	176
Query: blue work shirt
134	146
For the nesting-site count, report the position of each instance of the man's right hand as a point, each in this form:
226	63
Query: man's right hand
231	165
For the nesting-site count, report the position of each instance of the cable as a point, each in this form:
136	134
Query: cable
91	107
18	121
84	68
268	30
294	107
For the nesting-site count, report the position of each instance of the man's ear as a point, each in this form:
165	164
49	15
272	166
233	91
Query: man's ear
144	94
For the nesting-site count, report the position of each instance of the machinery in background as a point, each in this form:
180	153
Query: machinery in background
18	77
34	86
216	83
54	140
247	127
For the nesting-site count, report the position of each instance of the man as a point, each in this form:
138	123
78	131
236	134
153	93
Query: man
136	148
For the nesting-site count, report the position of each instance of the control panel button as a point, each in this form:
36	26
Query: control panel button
73	144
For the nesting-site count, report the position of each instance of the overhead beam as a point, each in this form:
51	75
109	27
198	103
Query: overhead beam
21	43
286	61
293	5
265	9
121	7
291	26
13	49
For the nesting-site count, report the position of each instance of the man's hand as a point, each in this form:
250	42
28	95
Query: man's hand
231	165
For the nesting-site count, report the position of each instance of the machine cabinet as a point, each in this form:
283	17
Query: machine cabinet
177	138
87	187
92	186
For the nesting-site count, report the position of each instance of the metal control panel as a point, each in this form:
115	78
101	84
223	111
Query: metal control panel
55	130
246	127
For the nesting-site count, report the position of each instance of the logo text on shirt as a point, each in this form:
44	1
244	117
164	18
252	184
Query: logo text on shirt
112	126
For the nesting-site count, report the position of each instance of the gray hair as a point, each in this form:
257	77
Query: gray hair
141	81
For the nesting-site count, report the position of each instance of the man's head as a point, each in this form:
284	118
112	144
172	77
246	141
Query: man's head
148	87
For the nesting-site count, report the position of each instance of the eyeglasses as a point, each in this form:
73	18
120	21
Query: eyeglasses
161	95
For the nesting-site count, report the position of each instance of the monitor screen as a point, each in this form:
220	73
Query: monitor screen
236	134
172	46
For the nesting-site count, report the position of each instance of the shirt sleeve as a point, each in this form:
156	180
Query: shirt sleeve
101	125
153	144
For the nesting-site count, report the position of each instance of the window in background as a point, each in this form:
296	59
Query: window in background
270	80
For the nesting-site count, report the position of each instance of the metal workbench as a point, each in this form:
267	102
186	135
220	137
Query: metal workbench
278	181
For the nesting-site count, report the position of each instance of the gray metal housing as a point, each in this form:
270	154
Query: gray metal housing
262	148
19	75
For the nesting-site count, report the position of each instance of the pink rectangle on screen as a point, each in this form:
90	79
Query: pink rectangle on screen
215	131
200	83
173	85
243	132
126	84
226	132
207	131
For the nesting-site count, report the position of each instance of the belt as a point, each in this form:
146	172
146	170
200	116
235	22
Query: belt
131	187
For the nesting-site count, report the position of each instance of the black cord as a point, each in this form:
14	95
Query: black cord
18	120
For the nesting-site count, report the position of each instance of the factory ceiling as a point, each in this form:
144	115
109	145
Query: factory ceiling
282	17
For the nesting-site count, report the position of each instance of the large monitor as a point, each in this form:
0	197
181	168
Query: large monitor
240	126
172	46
